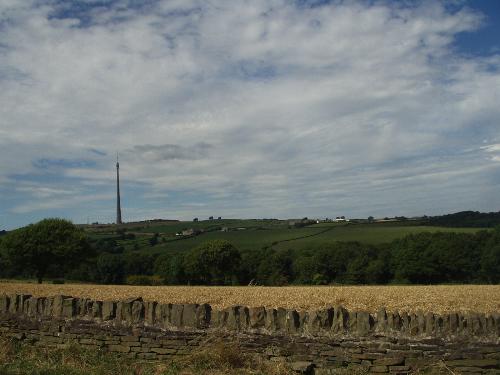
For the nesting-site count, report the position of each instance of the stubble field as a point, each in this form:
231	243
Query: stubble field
438	299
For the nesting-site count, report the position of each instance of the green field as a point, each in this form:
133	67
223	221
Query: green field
255	234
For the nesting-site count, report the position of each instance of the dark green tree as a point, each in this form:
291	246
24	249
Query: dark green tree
213	263
109	269
48	243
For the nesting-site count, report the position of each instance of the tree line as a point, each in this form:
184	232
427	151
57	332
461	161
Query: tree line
56	249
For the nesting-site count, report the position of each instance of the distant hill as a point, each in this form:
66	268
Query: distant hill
470	219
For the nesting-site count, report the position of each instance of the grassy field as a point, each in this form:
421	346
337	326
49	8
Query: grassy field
17	358
437	299
255	234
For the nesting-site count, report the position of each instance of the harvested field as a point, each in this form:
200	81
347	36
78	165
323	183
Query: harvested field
438	299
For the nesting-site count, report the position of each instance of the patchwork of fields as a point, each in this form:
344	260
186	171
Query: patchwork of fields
438	299
255	234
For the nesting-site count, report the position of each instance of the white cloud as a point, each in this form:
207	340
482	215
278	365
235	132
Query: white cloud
301	106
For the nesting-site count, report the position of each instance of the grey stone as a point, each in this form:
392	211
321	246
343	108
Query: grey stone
108	310
271	317
339	321
4	303
137	313
57	305
405	322
413	324
124	309
32	307
68	308
302	367
421	322
394	322
150	312
453	322
429	323
381	320
203	315
219	318
320	320
189	315
176	315
364	323
96	311
162	314
292	322
48	307
281	319
257	317
14	303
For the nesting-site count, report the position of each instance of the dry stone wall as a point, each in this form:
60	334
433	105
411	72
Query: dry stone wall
315	342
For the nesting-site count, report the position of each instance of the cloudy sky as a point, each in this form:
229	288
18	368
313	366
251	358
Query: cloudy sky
274	108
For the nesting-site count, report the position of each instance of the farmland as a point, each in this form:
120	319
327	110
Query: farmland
255	234
438	299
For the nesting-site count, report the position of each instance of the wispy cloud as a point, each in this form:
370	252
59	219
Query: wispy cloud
262	108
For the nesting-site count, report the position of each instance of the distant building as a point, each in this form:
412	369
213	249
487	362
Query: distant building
190	232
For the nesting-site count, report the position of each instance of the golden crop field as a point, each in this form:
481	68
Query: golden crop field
438	299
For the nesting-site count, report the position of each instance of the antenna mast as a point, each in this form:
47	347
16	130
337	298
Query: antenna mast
118	205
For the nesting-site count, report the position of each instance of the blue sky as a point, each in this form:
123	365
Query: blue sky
248	109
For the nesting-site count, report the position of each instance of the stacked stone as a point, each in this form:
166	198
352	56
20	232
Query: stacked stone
316	340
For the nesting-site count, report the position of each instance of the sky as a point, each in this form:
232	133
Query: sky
248	109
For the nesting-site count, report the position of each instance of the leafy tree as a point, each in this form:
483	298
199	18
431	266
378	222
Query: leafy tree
48	243
490	259
276	268
171	269
213	263
109	269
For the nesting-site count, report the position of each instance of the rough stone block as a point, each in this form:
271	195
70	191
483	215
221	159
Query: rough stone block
482	363
149	312
203	315
394	321
119	348
219	318
162	314
292	322
281	319
68	308
4	303
381	321
364	323
48	306
137	313
271	317
233	318
429	323
57	305
257	317
108	310
302	367
32	307
389	361
96	311
379	369
163	350
319	320
189	315
176	315
405	322
339	321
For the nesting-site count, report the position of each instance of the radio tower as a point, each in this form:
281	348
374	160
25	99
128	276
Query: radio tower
118	206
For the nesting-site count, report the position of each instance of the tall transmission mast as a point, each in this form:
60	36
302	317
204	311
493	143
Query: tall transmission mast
118	206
